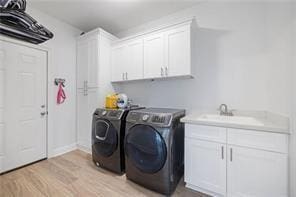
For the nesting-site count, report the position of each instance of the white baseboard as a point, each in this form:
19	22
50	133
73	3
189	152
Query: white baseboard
193	187
84	148
64	149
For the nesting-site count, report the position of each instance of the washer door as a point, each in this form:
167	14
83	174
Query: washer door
145	148
105	138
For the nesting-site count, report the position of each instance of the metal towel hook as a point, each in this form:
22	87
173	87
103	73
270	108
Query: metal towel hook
58	81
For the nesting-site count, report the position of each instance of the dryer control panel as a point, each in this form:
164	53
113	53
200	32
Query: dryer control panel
148	118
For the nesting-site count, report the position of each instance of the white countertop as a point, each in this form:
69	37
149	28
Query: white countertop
251	120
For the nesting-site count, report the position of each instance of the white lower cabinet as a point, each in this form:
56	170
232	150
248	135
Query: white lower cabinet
257	173
235	170
205	165
87	102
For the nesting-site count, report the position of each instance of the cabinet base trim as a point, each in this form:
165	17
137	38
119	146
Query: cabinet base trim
193	187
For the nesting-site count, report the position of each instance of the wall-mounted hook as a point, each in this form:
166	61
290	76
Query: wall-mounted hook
58	81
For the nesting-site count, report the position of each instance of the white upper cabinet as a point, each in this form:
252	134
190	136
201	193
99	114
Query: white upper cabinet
177	51
93	62
127	61
160	54
154	56
134	67
87	62
82	63
119	56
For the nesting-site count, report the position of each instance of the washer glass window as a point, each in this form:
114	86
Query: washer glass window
105	138
145	148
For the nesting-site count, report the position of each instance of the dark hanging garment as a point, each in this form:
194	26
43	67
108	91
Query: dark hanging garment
13	4
14	22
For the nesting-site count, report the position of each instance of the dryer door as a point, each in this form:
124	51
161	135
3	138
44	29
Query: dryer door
105	137
145	148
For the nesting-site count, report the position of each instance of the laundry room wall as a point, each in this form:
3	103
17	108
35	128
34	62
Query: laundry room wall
247	61
62	118
243	61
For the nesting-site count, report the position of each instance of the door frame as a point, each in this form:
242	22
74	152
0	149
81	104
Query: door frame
49	133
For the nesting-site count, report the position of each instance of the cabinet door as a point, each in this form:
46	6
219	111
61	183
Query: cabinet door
256	173
86	105
134	68
93	63
82	63
154	56
177	51
119	62
205	165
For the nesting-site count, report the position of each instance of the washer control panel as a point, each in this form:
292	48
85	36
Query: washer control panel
109	113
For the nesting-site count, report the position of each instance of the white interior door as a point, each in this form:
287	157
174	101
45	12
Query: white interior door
24	101
205	165
256	173
154	56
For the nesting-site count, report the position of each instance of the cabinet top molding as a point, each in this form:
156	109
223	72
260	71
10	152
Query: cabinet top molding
96	32
165	26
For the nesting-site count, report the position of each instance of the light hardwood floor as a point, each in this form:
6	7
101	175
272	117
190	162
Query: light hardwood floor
73	174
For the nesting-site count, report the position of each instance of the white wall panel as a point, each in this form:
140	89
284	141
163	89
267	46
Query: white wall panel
62	118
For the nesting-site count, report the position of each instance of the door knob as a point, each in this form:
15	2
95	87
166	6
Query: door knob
43	113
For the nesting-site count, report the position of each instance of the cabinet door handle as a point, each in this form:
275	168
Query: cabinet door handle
222	152
85	88
126	76
231	154
166	71
161	73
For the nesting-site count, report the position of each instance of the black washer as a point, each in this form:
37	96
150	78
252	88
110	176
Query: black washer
145	148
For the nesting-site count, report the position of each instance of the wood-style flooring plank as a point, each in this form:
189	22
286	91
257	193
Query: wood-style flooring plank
74	175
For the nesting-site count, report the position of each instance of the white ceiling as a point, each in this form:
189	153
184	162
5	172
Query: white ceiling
112	15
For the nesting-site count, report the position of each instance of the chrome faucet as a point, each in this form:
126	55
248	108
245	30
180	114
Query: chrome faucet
224	110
